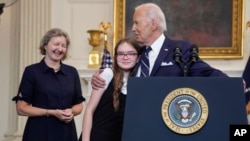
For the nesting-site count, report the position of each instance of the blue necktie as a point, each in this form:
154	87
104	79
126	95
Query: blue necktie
145	63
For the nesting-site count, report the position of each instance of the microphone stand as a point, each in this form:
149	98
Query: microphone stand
185	65
185	69
193	57
179	61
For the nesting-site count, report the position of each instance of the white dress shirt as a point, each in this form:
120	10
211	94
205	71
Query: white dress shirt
153	54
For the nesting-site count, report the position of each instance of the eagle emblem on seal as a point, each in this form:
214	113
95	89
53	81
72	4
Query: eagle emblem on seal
184	111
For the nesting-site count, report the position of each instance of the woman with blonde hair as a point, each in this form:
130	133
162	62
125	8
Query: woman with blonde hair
50	93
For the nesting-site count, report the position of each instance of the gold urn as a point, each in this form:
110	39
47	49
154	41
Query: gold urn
95	40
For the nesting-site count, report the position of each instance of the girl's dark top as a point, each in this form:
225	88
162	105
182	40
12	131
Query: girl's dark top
42	87
107	124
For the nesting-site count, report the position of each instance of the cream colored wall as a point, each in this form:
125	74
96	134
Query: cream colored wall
8	56
4	71
76	17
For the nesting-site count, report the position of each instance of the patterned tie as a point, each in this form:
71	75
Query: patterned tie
145	63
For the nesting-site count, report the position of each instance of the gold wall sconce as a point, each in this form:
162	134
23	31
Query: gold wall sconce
105	26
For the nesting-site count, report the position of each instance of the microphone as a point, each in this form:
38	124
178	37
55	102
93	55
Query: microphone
193	53
178	59
177	54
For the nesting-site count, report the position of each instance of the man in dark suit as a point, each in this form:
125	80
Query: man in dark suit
149	25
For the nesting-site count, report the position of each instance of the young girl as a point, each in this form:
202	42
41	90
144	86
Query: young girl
103	117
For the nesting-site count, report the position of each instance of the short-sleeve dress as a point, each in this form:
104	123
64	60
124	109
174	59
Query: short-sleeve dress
107	124
42	87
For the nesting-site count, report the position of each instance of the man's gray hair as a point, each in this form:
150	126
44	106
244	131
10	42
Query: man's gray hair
155	12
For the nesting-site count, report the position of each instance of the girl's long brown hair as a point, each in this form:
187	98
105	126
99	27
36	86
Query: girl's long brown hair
118	73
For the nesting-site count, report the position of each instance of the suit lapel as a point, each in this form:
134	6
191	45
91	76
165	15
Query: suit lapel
164	52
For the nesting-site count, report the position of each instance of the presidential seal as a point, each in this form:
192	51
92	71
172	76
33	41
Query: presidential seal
184	111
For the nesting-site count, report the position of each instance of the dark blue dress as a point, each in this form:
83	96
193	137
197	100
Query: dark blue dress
42	87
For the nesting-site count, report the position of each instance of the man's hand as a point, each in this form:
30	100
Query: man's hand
96	81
